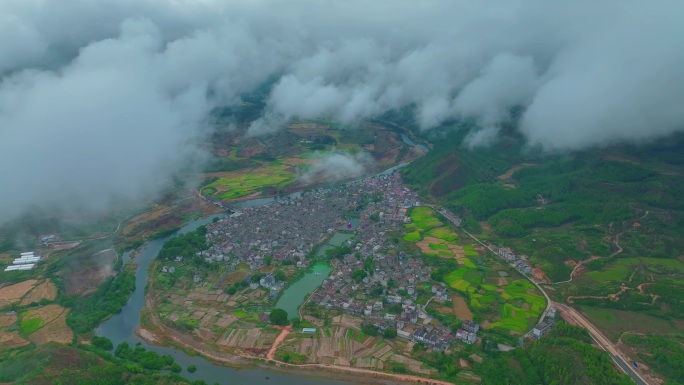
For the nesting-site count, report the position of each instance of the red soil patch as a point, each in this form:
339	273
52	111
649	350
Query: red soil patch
46	290
459	308
8	319
14	293
285	331
539	275
11	340
509	174
486	227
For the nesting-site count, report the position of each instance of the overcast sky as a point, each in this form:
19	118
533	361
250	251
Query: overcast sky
107	98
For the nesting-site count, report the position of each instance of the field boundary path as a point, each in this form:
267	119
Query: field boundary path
616	242
285	330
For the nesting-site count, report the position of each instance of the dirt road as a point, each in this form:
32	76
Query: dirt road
372	373
281	337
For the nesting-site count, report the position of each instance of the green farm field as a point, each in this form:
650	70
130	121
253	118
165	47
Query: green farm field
512	307
259	167
437	238
243	184
622	268
614	273
424	219
615	322
412	236
29	325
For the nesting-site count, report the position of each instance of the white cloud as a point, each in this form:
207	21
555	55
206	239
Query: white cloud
338	166
107	98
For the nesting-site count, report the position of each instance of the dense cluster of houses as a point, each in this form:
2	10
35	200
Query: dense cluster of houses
289	229
468	332
391	276
395	276
270	283
517	261
455	219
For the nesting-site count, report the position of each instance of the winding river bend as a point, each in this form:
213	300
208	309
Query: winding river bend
121	327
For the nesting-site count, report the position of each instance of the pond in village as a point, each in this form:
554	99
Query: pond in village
293	297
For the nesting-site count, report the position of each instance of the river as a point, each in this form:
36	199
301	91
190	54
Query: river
405	138
121	327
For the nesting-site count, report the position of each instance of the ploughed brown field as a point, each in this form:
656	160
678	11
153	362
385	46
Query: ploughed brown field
14	293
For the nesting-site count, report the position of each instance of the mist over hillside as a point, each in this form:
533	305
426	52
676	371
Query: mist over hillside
104	101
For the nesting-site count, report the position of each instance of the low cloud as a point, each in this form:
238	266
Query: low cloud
338	166
107	100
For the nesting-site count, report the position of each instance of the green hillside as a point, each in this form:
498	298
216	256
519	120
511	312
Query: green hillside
557	208
618	210
564	357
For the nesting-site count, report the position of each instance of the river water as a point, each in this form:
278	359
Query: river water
296	294
405	138
121	327
293	297
336	240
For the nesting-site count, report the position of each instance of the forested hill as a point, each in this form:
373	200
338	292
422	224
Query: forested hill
557	207
563	357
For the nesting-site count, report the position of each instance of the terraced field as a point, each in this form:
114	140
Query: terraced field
433	236
518	305
344	346
513	307
239	184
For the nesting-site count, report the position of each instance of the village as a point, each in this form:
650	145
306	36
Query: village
373	280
